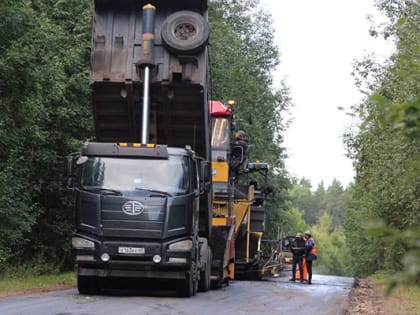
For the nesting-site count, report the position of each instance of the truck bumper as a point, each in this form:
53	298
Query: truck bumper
153	260
124	273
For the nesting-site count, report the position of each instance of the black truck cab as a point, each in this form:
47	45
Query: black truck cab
137	209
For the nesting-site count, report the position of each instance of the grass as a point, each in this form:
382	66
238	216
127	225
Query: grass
16	283
404	298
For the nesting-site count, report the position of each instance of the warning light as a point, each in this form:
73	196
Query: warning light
136	145
232	103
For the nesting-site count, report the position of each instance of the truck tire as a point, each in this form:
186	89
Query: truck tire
253	275
205	280
188	286
185	32
87	285
217	283
185	287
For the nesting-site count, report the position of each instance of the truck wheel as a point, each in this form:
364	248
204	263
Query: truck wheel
87	285
185	287
185	32
205	280
189	286
218	282
254	275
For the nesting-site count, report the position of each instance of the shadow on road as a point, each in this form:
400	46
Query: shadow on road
138	287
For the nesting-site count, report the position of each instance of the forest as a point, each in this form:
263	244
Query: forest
45	114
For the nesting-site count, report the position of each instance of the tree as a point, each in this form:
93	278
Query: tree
242	58
294	222
318	204
302	199
314	204
385	149
44	115
332	247
335	199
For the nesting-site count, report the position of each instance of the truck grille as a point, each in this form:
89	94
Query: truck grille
148	224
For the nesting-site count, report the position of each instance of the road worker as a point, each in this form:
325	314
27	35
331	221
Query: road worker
310	253
298	249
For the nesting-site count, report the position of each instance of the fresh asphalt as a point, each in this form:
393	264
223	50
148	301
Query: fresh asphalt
276	295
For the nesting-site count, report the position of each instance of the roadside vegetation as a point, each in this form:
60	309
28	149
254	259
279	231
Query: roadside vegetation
403	300
24	281
374	225
371	226
382	215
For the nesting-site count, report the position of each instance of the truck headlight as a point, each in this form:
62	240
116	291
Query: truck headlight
182	245
105	257
80	243
157	259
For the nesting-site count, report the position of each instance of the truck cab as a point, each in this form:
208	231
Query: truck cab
137	209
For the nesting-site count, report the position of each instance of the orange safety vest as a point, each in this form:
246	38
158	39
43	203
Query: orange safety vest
313	250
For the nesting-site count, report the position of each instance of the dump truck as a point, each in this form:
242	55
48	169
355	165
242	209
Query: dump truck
143	188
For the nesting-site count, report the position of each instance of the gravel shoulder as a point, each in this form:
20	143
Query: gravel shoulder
368	298
365	299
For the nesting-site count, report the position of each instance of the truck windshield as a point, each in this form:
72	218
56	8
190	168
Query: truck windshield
220	133
170	177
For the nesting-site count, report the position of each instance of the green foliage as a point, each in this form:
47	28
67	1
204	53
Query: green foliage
25	280
407	241
294	222
302	198
408	296
314	204
36	266
44	113
322	212
242	58
386	150
276	214
335	199
333	252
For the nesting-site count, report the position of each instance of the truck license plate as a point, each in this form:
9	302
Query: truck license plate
131	250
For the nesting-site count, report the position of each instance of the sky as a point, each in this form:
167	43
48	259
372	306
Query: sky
318	42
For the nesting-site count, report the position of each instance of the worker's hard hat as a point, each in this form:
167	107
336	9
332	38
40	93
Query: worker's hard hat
308	233
298	234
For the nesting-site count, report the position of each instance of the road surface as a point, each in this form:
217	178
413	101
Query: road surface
326	296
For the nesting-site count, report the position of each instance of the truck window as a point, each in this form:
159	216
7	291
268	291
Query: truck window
128	175
220	133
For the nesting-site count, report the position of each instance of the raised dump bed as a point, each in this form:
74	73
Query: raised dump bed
178	84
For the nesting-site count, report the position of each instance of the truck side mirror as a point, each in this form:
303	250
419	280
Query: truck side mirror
205	177
69	171
69	168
